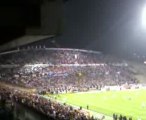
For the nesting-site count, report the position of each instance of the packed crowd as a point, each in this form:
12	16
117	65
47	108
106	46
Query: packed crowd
52	109
57	71
50	56
67	78
65	74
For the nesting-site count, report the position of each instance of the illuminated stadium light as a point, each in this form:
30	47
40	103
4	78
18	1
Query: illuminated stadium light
144	17
144	62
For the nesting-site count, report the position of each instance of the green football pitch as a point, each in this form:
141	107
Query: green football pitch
131	103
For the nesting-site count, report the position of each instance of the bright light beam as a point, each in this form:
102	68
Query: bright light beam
144	17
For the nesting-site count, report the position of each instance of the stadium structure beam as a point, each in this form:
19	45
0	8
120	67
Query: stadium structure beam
23	41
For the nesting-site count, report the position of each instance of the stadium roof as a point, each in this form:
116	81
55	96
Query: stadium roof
24	22
23	40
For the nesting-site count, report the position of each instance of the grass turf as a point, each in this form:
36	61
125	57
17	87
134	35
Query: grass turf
131	103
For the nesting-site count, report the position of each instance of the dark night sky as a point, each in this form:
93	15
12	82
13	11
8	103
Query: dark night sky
112	26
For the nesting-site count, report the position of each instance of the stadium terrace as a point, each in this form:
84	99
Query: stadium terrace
51	71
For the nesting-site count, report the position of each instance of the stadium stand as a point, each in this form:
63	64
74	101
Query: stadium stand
60	70
63	69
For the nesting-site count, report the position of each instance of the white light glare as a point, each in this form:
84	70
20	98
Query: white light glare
144	17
